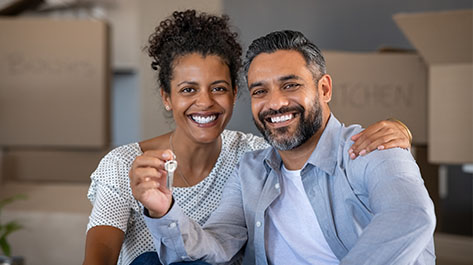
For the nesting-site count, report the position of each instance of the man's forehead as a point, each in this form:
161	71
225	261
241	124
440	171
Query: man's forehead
276	65
279	56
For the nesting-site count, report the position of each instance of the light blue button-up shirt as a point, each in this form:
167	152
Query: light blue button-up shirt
372	210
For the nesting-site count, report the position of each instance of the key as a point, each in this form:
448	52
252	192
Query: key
170	166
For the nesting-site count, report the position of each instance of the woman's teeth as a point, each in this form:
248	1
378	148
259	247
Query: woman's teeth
203	119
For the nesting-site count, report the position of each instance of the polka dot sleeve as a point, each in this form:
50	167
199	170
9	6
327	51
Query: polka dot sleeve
109	193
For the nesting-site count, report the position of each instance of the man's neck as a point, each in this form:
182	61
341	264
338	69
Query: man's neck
296	158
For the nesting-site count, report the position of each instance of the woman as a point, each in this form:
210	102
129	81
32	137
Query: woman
197	58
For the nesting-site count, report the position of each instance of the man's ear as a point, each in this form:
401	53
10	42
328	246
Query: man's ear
166	98
325	88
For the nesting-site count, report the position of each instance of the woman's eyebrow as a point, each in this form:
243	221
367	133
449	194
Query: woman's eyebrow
187	83
219	81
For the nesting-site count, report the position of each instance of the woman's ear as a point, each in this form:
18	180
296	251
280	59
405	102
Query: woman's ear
325	88
166	98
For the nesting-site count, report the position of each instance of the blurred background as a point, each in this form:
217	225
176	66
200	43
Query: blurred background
75	83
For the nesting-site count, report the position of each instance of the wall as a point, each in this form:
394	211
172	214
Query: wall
125	108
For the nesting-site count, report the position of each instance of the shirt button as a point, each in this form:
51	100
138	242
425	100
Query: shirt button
172	225
183	257
258	224
277	186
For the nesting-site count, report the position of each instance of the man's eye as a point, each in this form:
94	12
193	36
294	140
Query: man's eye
291	86
258	92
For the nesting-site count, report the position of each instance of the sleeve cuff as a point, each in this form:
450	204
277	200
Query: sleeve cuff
167	234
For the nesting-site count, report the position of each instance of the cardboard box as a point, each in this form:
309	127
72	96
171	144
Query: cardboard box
54	83
23	164
444	39
368	87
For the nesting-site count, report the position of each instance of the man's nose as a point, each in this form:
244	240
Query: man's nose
277	100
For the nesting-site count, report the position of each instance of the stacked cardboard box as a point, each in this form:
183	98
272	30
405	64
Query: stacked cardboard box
54	98
444	39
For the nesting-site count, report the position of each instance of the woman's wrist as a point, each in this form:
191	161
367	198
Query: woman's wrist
409	134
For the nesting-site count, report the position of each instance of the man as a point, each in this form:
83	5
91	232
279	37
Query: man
304	201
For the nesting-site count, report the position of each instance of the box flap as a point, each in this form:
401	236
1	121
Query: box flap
440	37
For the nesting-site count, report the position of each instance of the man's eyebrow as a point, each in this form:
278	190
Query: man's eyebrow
255	85
289	77
281	79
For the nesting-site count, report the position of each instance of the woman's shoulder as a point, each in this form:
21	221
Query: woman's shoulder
124	153
118	159
243	141
155	143
112	171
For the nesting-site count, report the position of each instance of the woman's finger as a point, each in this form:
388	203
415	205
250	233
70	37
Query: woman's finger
148	161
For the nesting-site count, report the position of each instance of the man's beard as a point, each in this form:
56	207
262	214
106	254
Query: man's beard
308	125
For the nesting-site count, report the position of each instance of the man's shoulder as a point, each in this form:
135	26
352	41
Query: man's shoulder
360	164
346	132
253	163
344	138
252	171
256	156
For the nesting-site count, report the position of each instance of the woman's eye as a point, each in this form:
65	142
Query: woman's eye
187	90
220	89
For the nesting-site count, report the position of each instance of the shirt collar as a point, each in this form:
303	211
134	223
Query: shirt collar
324	156
272	160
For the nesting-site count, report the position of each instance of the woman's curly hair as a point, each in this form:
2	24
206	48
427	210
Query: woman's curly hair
188	32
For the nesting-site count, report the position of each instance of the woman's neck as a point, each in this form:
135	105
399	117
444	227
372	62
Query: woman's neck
195	160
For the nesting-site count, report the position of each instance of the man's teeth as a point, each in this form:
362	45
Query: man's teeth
204	119
281	118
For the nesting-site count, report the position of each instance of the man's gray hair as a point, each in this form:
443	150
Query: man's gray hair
287	40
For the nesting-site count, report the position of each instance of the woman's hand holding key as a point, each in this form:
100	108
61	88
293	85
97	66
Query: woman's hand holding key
148	179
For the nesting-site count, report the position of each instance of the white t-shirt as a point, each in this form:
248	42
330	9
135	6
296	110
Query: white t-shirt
293	234
114	204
